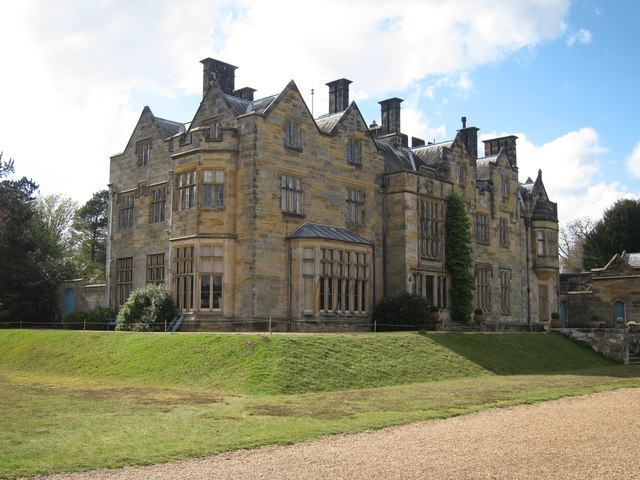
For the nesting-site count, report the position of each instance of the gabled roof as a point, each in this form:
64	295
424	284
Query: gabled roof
245	107
168	128
313	230
164	128
327	123
483	167
432	154
395	160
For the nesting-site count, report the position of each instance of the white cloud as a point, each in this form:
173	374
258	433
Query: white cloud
571	173
71	68
582	37
633	161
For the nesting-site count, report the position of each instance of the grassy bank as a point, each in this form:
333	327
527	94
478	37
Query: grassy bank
82	400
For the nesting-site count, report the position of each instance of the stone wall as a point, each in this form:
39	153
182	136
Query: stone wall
613	343
85	296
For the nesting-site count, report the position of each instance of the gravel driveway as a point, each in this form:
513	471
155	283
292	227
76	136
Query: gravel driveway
589	437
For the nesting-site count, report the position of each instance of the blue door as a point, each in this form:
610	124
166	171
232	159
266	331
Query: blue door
563	314
618	311
69	301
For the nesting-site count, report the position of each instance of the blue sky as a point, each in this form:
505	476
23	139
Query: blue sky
559	74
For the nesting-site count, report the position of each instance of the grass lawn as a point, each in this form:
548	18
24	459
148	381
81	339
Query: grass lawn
86	400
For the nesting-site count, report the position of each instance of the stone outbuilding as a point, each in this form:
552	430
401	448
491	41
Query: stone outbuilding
603	294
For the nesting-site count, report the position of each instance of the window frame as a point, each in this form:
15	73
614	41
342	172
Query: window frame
546	244
505	291
429	225
124	279
354	151
126	210
143	152
482	228
184	277
213	187
211	270
155	268
186	190
503	232
292	135
355	201
158	204
291	194
483	288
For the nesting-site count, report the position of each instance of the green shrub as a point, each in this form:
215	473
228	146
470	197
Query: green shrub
148	309
98	317
407	311
74	320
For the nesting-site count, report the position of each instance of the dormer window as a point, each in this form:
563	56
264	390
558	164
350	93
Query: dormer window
143	149
462	174
292	135
505	187
213	124
354	151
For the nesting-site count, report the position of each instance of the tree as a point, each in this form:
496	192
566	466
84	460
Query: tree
27	279
90	227
616	232
56	214
571	243
458	260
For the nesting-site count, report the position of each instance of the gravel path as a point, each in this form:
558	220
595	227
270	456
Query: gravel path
590	437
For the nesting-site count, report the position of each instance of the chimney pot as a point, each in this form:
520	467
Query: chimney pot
464	122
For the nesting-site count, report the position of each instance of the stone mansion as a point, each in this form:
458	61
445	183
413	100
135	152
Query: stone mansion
257	212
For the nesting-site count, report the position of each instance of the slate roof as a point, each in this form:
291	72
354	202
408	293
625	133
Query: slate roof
313	230
432	154
168	128
244	107
326	123
483	167
394	160
633	259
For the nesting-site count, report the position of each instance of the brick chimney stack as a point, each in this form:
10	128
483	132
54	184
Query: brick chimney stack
221	73
338	95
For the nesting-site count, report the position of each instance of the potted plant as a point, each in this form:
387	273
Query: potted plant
555	320
434	310
478	315
633	325
594	322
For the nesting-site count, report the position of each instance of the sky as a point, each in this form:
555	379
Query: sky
561	75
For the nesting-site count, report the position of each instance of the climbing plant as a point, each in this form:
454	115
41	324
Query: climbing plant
458	259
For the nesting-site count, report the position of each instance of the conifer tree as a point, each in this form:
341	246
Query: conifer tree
458	260
616	232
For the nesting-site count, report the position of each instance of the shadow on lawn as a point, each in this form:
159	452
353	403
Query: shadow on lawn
531	354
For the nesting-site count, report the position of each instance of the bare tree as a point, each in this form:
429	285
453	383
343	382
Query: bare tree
571	243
